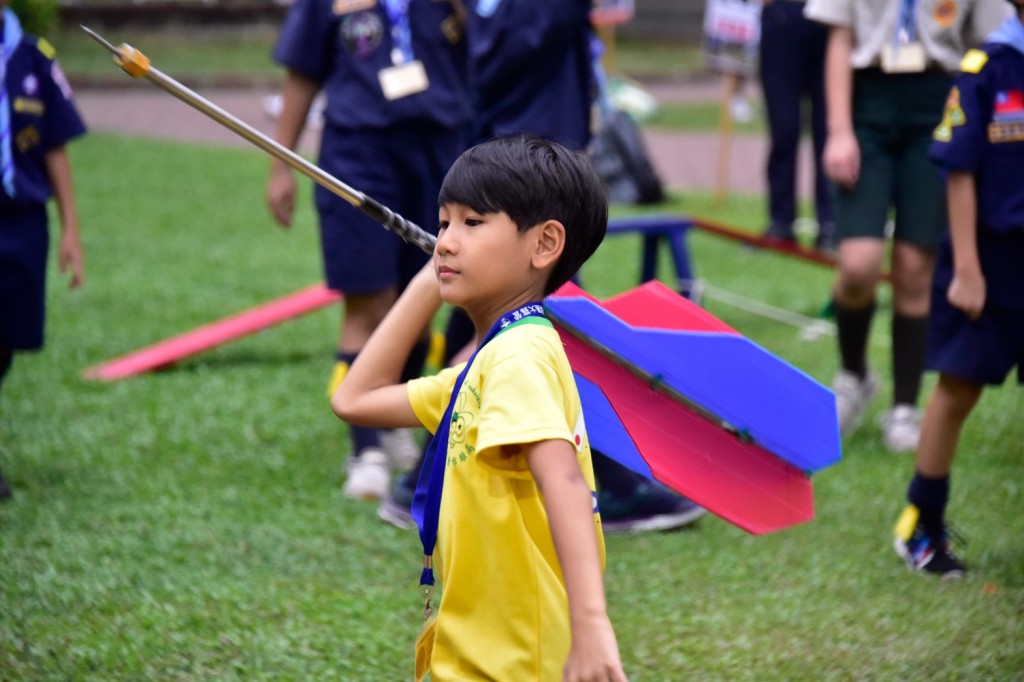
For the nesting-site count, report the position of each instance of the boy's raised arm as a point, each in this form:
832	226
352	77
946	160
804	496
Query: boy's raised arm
595	653
371	394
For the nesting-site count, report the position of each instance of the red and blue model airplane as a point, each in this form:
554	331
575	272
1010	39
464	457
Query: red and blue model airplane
676	395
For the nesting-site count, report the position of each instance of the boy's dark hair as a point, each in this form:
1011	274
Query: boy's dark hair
534	180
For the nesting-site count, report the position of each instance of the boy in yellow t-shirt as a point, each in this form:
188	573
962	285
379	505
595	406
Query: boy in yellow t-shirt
519	550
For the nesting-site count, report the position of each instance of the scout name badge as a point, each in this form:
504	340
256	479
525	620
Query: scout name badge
426	502
905	54
406	76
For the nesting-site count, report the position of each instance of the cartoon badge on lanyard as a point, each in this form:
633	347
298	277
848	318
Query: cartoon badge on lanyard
905	54
406	76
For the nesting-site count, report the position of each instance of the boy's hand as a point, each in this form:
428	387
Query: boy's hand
281	194
594	656
967	293
842	159
70	257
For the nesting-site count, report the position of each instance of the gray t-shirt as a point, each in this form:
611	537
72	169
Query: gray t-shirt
946	28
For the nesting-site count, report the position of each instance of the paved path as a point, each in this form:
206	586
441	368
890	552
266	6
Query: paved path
686	161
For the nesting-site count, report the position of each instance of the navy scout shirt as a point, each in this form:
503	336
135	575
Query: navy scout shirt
530	68
344	44
43	117
982	132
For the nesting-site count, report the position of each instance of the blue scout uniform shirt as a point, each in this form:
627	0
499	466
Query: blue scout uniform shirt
344	44
530	68
43	117
982	131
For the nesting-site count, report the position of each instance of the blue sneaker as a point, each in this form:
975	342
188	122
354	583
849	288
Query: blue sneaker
396	508
651	507
924	552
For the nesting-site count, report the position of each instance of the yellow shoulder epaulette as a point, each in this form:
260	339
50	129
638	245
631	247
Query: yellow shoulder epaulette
973	61
44	46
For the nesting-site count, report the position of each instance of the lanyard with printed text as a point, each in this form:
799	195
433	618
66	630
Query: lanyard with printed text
401	31
426	502
906	29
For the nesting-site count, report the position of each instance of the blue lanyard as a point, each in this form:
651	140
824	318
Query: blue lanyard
401	30
10	38
907	26
426	502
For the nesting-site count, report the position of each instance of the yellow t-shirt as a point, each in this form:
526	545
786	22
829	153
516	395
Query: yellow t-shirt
503	611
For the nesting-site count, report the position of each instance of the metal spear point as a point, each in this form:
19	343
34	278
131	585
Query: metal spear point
137	65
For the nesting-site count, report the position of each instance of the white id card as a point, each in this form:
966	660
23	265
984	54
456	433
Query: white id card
403	80
905	58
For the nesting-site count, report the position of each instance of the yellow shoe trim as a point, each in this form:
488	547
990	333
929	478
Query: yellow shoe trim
908	520
337	376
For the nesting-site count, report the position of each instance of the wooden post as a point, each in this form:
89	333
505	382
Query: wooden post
730	88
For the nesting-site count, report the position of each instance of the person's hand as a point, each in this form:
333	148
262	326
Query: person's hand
967	293
842	159
281	194
594	656
70	258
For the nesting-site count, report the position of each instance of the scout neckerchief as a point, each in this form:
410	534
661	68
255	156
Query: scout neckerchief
11	38
426	502
1010	33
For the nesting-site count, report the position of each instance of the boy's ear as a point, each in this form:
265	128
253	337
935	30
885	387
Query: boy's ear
550	244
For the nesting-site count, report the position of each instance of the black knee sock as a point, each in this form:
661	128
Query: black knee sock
909	342
363	437
853	328
457	334
613	477
417	357
930	496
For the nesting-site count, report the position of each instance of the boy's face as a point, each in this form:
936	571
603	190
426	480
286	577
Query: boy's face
482	259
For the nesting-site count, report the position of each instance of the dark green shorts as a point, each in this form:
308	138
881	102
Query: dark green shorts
893	117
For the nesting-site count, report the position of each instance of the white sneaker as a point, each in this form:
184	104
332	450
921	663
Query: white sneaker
901	428
401	447
852	398
369	476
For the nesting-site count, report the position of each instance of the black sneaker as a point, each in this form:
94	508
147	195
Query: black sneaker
396	508
924	552
826	241
651	507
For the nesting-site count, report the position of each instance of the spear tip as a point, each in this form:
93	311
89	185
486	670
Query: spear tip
99	39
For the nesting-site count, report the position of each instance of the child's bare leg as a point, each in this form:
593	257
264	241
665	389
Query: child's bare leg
921	538
363	313
950	404
368	468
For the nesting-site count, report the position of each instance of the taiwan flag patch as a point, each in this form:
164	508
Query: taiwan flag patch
1008	106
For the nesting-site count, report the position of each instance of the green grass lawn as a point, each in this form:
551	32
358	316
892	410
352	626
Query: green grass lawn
192	56
189	525
700	117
